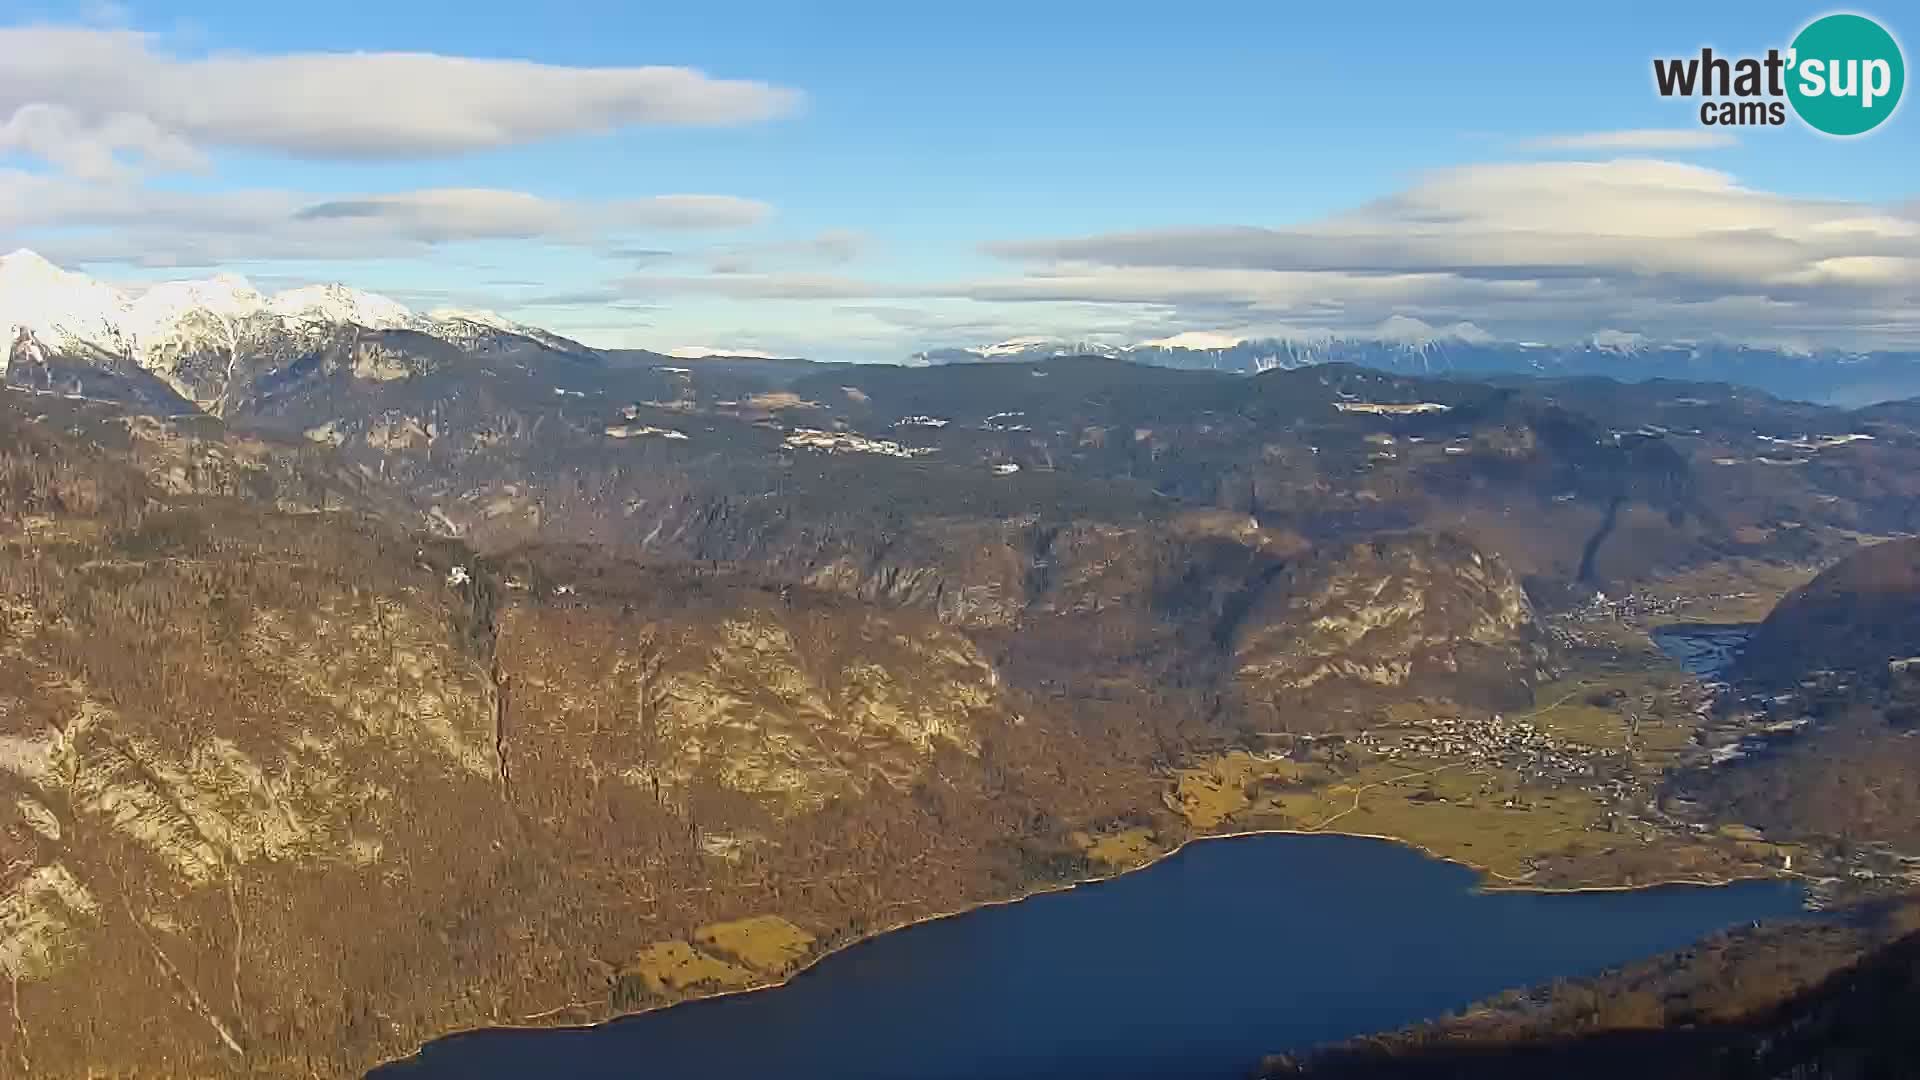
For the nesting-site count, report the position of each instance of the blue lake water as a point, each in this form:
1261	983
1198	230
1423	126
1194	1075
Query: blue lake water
1195	967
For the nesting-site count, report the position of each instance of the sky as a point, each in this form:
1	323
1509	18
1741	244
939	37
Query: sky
860	181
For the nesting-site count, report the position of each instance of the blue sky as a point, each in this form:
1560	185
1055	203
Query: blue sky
891	177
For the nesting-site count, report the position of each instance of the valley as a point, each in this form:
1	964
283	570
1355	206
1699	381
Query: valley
367	682
1568	794
940	543
1820	755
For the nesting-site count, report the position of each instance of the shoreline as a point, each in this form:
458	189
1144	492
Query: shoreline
1485	875
1489	881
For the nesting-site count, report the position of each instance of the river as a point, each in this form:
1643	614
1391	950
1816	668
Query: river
1704	649
1194	967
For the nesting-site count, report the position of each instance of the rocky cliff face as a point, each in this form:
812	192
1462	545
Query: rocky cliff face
281	785
462	684
1393	616
199	710
785	695
296	789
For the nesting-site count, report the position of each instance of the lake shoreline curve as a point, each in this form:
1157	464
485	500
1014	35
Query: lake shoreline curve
1486	875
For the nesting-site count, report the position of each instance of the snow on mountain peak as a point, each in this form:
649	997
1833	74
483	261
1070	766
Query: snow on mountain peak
475	315
228	294
1014	346
26	270
1407	330
44	308
701	352
44	296
24	261
1621	341
54	306
1198	340
1039	346
338	303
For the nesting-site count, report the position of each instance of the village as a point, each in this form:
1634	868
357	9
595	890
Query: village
1495	740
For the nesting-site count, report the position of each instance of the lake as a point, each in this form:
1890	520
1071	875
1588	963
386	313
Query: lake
1195	967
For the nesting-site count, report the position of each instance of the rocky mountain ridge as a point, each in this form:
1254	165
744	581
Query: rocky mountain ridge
193	335
1834	377
483	678
361	783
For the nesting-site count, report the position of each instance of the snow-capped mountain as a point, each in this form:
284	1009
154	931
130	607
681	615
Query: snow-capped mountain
58	308
1014	350
336	303
484	331
208	344
1191	349
192	336
1200	340
709	352
1463	350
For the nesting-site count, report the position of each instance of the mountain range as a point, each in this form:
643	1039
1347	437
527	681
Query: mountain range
190	337
1847	379
368	675
182	339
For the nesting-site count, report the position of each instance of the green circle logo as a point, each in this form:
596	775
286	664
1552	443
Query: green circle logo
1846	74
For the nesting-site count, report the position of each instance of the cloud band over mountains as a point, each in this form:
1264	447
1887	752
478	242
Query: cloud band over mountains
1539	250
1582	242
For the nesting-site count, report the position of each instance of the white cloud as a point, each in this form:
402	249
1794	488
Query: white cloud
1626	217
1636	139
102	108
1553	249
100	148
759	286
840	245
72	221
471	213
829	246
1557	251
348	105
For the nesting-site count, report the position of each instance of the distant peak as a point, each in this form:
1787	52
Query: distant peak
472	315
700	352
1037	346
341	303
1199	340
27	262
1618	341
